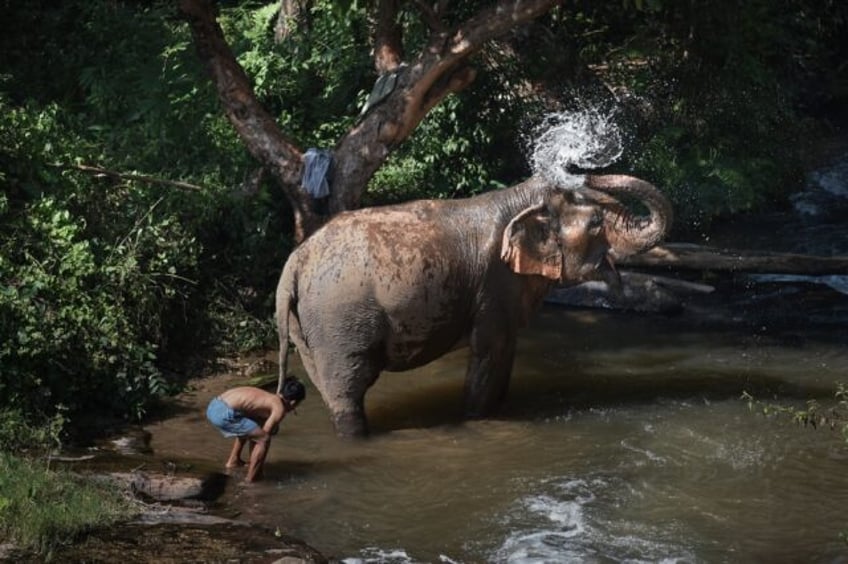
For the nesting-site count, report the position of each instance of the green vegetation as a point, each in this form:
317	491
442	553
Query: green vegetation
814	414
41	508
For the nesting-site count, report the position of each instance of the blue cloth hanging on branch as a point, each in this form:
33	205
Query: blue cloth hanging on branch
316	170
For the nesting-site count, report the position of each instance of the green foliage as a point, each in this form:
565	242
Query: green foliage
103	282
87	277
709	93
726	147
41	508
445	159
317	77
814	415
20	432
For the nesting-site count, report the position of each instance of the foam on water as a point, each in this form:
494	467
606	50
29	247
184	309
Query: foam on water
561	527
585	139
373	555
384	556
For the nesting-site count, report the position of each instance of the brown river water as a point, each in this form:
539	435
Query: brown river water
624	439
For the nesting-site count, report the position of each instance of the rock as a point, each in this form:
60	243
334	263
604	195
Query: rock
160	487
6	551
133	441
174	515
825	197
164	532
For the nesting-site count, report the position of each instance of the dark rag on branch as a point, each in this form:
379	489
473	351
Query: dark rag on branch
316	163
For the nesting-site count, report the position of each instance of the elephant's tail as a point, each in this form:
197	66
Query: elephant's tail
285	298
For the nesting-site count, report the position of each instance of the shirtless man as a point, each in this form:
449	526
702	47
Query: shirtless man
251	414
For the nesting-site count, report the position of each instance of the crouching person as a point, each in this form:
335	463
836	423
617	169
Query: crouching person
253	415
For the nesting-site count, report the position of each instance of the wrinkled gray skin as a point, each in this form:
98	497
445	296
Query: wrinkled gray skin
396	287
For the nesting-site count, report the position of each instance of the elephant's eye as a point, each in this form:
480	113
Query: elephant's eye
596	221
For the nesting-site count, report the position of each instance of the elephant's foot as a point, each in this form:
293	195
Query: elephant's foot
482	405
481	412
350	425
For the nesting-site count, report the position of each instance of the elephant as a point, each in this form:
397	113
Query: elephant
393	288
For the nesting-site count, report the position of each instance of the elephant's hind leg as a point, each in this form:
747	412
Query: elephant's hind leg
343	381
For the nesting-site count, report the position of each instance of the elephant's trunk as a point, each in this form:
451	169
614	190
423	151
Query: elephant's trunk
629	234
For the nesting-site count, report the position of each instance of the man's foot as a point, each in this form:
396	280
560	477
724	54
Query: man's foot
235	463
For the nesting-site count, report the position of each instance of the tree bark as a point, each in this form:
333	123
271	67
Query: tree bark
695	257
388	41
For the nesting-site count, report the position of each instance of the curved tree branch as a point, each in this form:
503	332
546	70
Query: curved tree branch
448	52
257	129
439	70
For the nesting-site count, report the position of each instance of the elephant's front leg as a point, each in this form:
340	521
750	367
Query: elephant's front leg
489	368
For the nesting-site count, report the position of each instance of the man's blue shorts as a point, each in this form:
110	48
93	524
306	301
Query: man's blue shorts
231	422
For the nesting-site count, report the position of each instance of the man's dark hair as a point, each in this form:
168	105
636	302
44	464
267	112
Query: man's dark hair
293	390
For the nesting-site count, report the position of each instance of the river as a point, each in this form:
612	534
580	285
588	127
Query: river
624	439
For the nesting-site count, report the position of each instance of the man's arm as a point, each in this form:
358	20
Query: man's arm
272	423
257	458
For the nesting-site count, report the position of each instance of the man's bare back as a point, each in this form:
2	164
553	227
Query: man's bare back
252	414
257	404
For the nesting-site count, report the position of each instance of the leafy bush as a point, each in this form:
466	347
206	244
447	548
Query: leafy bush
21	432
87	280
815	415
445	159
107	281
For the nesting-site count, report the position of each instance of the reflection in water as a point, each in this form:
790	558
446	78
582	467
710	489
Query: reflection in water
623	440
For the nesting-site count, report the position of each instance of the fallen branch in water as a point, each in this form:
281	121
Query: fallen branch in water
697	257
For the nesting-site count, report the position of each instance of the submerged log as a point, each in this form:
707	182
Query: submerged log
684	256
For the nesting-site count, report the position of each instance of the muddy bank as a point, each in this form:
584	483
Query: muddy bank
169	542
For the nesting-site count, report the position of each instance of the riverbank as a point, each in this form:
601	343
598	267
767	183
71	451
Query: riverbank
43	508
116	500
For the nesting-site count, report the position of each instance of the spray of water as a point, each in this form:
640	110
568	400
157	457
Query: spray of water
584	139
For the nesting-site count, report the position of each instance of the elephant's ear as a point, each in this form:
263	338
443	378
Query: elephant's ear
530	244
